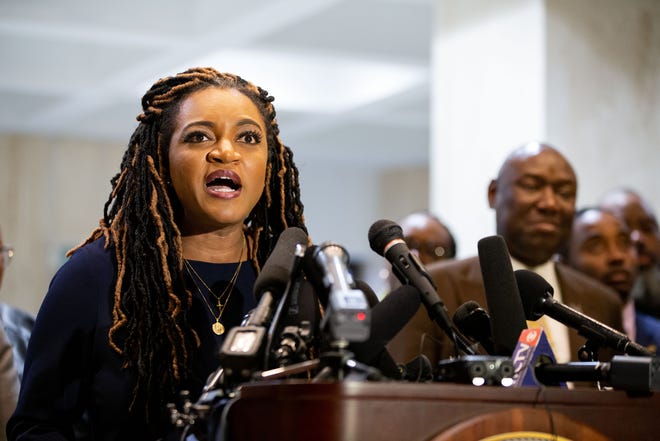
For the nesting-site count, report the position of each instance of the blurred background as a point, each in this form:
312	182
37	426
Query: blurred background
389	105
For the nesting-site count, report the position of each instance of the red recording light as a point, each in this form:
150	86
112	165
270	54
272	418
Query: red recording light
360	316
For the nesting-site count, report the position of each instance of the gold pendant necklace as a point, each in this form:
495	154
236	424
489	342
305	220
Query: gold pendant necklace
217	327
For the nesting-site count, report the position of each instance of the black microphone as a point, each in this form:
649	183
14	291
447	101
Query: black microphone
386	239
243	345
536	294
504	306
474	322
274	276
388	317
623	372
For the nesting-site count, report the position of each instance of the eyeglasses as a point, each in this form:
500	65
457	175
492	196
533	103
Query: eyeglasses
7	254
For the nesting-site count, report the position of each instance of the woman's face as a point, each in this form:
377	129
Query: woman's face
218	155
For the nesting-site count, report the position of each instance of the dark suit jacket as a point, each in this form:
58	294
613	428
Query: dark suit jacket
460	280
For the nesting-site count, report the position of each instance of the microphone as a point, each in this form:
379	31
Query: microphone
347	314
535	365
274	276
369	294
536	294
298	327
242	347
388	317
474	322
504	305
623	372
386	239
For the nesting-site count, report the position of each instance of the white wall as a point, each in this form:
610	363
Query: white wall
52	193
581	75
487	95
603	70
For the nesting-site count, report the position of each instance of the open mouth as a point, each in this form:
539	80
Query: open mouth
224	181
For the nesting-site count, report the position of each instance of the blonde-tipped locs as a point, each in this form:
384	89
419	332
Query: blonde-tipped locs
151	303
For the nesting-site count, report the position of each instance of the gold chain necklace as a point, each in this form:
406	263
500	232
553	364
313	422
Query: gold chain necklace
217	327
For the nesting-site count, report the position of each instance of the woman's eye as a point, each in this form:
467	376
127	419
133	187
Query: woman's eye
250	137
195	137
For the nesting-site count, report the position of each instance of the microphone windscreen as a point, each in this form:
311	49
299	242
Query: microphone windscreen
274	276
464	311
393	312
381	233
532	289
473	321
504	304
369	294
388	317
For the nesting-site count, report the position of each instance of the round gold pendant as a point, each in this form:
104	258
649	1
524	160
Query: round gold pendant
218	328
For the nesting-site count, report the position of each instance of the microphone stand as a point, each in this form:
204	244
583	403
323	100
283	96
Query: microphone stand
335	364
588	351
437	313
338	364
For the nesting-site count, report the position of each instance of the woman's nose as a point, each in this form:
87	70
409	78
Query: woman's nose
224	152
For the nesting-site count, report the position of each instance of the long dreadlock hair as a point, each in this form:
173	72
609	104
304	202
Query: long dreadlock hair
150	301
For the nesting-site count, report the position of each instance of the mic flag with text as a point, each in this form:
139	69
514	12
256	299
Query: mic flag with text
532	350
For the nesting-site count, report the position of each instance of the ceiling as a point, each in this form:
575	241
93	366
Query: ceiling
350	77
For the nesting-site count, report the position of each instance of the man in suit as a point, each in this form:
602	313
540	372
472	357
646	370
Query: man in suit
601	247
638	215
534	201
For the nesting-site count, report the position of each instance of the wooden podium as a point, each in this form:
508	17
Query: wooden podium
350	411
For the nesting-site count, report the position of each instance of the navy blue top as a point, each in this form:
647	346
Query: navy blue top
70	368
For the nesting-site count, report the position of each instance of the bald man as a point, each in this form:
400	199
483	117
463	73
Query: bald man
534	201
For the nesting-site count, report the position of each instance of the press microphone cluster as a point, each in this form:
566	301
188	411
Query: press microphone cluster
534	365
